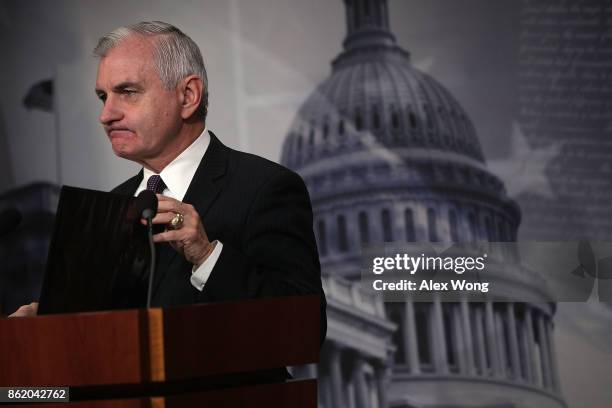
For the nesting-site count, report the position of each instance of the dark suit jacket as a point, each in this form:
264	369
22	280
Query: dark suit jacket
261	212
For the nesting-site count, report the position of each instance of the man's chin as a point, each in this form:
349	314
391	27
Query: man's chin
125	154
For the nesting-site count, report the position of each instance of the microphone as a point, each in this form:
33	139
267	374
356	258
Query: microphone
9	220
146	205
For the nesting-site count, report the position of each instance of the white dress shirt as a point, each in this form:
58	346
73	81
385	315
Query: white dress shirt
177	176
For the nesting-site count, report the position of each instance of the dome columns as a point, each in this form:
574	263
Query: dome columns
470	367
358	376
382	380
531	346
556	382
542	369
335	372
440	354
513	341
480	342
491	339
353	379
411	346
544	353
504	341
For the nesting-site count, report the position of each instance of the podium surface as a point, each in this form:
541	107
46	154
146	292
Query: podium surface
181	356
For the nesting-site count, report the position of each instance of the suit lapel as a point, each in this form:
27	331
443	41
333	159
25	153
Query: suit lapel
204	188
129	186
207	180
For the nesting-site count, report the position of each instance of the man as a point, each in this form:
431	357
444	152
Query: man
238	226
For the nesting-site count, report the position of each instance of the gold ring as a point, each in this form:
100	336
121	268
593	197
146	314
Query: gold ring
177	221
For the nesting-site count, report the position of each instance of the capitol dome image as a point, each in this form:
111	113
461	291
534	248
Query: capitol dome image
389	155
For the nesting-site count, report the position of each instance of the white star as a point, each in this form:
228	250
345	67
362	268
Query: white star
424	64
523	170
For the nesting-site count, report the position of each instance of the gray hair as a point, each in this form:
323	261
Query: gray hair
176	55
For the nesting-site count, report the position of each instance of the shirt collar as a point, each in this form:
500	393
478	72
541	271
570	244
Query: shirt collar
177	175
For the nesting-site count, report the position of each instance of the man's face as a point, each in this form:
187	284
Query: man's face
140	117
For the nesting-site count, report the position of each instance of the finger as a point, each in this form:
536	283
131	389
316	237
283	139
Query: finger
189	213
170	206
17	313
161	197
165	201
168	236
23	311
166	218
163	218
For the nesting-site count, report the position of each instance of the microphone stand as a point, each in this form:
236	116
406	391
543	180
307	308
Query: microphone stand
148	203
152	261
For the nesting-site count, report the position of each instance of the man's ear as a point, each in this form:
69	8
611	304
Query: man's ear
192	92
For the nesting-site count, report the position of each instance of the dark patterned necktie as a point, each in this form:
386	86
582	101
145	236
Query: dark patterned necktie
156	184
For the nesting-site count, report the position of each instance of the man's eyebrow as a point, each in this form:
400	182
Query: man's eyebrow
126	84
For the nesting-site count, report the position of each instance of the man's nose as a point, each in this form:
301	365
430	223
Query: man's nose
110	112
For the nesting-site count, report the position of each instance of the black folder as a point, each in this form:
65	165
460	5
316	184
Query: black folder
99	254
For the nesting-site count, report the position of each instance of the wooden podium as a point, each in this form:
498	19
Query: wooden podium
219	355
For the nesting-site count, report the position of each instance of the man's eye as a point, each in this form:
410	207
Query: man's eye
102	98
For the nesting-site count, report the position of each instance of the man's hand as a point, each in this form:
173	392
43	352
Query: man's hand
26	310
190	238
